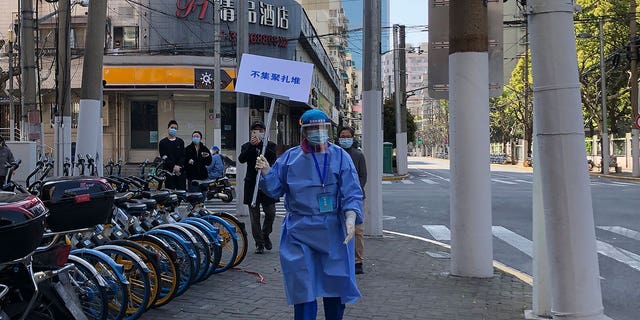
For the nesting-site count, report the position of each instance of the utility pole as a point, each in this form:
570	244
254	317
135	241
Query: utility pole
603	95
12	108
89	140
400	68
242	106
63	113
635	148
372	116
217	130
28	124
566	192
470	201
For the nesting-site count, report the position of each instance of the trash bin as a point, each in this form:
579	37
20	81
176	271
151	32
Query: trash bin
387	152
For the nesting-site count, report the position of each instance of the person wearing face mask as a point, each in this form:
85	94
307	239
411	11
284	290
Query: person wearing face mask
345	140
323	199
198	157
248	154
173	148
6	156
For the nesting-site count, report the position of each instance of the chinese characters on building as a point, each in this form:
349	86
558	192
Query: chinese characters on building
276	77
260	12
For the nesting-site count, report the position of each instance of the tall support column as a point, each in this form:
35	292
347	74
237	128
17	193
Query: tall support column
62	128
635	133
12	107
27	61
470	200
372	116
400	54
217	116
242	107
89	116
603	96
566	193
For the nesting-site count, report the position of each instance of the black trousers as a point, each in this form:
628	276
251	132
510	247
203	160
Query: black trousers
260	232
176	182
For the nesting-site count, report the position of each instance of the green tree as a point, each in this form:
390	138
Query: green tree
389	123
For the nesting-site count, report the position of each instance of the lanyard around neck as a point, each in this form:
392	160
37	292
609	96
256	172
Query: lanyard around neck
323	174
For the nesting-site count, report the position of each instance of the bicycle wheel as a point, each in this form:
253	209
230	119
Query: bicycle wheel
241	231
90	288
201	260
150	259
169	274
117	290
205	244
228	241
185	257
212	233
138	275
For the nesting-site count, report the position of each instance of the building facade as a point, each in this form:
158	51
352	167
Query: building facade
158	66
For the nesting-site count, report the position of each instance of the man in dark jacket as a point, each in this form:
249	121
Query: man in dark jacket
345	140
173	147
249	154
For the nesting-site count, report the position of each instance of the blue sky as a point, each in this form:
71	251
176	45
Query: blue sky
411	13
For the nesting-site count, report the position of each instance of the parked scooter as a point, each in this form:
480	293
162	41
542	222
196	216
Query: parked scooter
220	189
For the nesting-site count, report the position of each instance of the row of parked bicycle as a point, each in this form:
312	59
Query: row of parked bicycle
109	247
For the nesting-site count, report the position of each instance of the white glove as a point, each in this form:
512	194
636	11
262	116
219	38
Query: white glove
350	221
262	164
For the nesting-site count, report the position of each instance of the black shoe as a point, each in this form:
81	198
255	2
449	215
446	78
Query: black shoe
267	243
359	269
260	250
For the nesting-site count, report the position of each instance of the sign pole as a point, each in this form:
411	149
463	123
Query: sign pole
266	139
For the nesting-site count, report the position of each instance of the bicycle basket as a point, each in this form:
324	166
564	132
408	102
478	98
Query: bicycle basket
77	202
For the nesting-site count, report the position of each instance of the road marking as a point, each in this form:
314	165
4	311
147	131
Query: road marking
515	240
437	176
502	181
629	258
386	182
438	231
407	182
429	181
622	183
622	231
525	181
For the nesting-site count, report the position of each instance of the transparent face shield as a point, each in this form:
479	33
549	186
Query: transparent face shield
316	133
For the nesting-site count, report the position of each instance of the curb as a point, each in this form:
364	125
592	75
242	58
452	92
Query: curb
394	177
611	176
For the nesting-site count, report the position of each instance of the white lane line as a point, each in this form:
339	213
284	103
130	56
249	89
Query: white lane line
407	182
524	181
386	182
622	231
438	231
622	183
629	258
437	176
502	181
515	240
428	181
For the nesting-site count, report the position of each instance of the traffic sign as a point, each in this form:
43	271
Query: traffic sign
637	121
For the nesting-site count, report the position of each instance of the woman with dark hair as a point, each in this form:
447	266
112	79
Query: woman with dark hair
198	157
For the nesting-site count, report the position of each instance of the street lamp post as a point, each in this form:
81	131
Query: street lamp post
603	88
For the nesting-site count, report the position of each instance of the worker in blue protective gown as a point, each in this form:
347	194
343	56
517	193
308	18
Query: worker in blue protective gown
323	200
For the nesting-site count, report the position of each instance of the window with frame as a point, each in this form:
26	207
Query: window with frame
125	37
144	124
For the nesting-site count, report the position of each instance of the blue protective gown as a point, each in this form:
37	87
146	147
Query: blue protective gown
315	262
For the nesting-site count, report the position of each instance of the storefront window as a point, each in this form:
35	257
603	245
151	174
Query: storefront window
144	124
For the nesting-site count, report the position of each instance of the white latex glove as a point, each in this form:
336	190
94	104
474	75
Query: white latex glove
263	165
350	221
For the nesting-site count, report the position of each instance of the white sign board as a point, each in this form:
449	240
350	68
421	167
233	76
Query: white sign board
259	75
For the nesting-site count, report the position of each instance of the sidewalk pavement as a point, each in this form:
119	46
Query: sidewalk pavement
405	278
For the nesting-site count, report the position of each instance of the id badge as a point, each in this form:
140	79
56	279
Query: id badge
325	202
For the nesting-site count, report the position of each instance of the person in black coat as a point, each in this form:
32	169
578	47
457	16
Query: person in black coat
198	157
249	154
173	148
